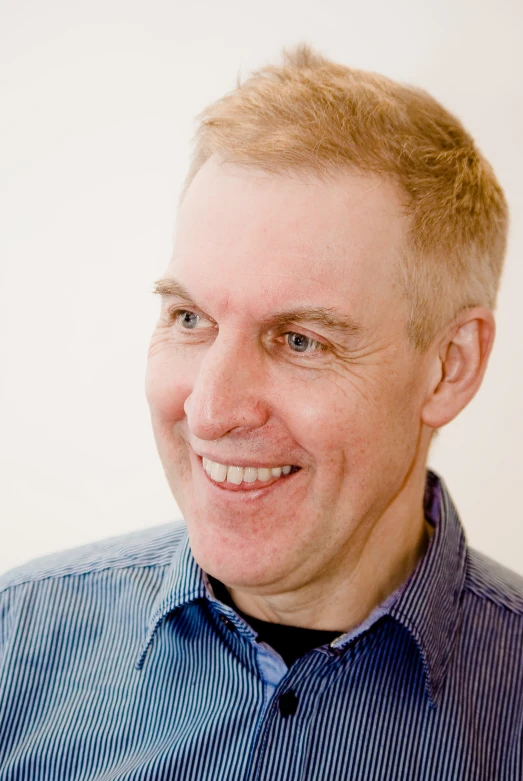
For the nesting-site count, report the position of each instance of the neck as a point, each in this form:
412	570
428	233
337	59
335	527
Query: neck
377	563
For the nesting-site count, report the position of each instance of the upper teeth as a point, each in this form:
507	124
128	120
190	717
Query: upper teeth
238	474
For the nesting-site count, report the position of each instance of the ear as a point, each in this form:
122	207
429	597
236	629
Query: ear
458	366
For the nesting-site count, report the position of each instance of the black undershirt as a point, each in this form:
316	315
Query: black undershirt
290	642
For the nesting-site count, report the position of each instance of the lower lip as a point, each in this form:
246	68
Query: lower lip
246	491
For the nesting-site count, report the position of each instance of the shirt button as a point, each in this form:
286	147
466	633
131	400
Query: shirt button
227	623
288	704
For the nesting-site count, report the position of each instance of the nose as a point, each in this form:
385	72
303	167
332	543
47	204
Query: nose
228	391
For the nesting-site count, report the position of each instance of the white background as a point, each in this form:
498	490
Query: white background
97	106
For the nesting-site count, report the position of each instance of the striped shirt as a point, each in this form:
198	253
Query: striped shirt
118	662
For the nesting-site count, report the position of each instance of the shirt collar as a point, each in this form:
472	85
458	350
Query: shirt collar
427	605
183	583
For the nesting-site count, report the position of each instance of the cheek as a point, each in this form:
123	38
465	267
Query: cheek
327	423
350	423
165	389
165	395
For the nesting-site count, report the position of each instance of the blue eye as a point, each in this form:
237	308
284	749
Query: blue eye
187	319
300	343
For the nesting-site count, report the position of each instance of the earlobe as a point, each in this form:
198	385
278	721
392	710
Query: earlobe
461	361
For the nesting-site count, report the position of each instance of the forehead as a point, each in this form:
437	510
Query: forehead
268	239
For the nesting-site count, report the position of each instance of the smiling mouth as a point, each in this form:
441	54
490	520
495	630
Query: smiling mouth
237	478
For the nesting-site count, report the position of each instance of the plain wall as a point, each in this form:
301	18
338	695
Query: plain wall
98	101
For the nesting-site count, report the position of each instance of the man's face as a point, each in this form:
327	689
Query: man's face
289	350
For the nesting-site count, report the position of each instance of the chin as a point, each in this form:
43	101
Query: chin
233	562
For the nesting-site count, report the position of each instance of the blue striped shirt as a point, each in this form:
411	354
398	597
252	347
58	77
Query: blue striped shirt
118	662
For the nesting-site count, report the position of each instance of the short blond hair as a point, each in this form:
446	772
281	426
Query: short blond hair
313	115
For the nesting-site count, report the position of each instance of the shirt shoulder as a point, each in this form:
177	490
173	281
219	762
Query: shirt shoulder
152	547
492	582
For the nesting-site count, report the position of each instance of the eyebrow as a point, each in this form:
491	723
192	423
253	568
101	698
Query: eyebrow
325	317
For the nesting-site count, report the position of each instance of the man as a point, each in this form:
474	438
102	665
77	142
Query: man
327	308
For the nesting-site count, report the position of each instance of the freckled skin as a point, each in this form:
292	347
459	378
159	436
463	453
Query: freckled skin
349	527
